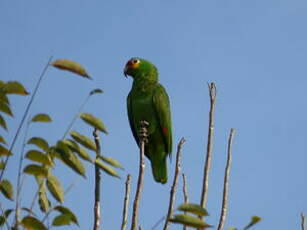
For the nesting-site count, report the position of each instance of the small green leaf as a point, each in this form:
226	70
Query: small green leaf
254	220
41	117
61	220
5	216
4	151
3	97
31	223
6	189
39	142
71	66
94	122
193	208
111	161
78	149
3	123
106	168
69	158
14	87
39	157
36	170
83	140
2	164
189	221
5	108
232	228
68	212
55	188
2	140
44	203
95	91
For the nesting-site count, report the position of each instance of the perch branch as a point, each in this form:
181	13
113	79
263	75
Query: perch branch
204	194
226	181
143	140
174	186
97	216
126	202
25	115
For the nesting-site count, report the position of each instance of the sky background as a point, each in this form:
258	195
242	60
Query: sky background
255	52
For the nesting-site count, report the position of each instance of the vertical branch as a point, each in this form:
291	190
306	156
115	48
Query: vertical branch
226	181
185	194
204	194
174	186
25	115
303	221
126	202
143	140
97	184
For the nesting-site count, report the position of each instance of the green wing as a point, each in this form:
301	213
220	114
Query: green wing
162	108
130	116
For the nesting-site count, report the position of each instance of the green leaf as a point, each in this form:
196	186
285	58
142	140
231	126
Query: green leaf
44	203
5	108
2	140
14	87
3	97
39	157
95	91
232	228
71	66
6	189
69	158
254	220
111	161
2	164
36	170
55	188
193	208
39	142
31	223
189	221
4	151
3	123
41	117
83	140
66	211
93	121
77	149
5	216
106	168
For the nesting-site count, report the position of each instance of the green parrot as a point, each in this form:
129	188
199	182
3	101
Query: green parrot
149	101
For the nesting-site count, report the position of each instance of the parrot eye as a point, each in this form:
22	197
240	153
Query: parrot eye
135	61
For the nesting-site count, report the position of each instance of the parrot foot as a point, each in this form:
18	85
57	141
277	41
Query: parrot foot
143	131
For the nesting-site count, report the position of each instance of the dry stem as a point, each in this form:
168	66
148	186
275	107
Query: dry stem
226	181
174	186
97	184
185	194
126	202
303	217
204	194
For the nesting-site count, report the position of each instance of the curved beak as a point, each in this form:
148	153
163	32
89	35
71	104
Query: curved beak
125	71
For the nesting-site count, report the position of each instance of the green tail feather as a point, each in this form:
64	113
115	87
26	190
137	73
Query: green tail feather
159	170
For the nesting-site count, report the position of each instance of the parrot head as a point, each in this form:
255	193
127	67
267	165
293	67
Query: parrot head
140	68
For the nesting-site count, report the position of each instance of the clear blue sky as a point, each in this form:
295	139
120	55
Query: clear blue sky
255	51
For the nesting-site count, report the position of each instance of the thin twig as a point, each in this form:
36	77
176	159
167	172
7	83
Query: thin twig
303	217
158	222
204	194
19	184
126	202
143	140
25	115
174	186
97	214
185	194
226	181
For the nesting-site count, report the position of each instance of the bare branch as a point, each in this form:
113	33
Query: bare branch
97	215
185	194
303	217
143	140
226	181
126	202
175	182
204	194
